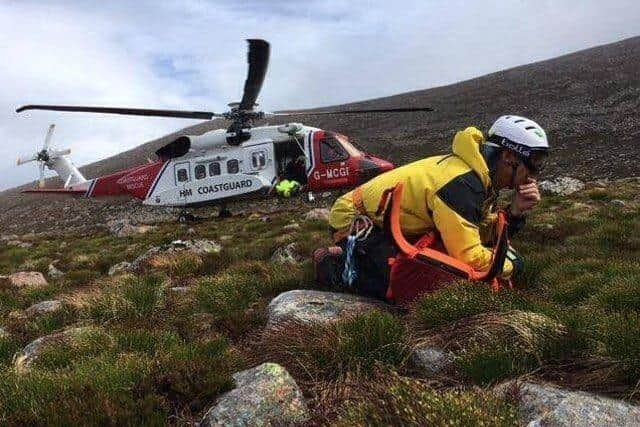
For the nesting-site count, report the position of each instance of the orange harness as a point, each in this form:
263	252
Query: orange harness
427	254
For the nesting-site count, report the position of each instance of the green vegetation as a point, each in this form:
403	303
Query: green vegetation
142	352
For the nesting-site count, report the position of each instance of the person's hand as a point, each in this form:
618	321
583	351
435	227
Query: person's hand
527	196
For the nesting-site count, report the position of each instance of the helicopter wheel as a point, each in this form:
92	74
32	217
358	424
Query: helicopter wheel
224	212
185	217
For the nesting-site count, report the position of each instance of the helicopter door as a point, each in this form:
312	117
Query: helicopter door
183	177
330	166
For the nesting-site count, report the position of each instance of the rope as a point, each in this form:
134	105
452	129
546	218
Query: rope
360	229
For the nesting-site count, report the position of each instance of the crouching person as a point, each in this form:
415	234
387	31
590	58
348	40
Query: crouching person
452	196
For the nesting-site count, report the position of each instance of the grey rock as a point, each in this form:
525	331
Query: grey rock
290	228
287	254
318	307
30	353
264	396
318	214
428	361
198	246
26	280
19	244
546	405
44	307
121	267
124	228
619	203
179	289
562	186
54	273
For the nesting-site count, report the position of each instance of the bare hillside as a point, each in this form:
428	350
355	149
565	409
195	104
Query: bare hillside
587	101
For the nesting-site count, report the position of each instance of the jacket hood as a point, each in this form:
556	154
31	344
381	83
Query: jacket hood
466	145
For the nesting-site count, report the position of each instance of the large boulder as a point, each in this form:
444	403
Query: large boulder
546	405
318	307
26	280
264	396
562	186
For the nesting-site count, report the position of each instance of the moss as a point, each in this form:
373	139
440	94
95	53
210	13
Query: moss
410	402
462	300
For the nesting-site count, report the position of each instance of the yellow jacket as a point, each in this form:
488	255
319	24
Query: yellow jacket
448	193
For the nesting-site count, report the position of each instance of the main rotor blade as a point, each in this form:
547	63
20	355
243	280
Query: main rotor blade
258	59
374	110
181	114
47	139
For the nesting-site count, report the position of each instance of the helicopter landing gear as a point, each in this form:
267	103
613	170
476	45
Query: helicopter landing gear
186	216
224	212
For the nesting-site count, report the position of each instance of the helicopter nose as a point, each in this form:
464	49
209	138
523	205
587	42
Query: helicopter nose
370	167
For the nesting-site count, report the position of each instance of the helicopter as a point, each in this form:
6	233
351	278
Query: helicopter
195	170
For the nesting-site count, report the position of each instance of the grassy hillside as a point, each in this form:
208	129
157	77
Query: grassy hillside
148	353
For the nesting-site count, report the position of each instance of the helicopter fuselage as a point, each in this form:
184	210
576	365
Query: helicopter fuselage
196	170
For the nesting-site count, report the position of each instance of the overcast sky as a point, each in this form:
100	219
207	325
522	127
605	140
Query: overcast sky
189	54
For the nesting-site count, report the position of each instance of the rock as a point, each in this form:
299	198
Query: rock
54	273
290	228
318	214
124	228
26	279
44	307
6	237
226	238
265	395
619	203
179	289
198	246
562	186
429	361
19	244
546	405
318	307
121	267
29	354
287	254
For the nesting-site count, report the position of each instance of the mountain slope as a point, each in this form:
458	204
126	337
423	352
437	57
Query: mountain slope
587	101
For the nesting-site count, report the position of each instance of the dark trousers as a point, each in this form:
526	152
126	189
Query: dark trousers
372	263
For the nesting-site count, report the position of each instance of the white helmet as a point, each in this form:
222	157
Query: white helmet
522	136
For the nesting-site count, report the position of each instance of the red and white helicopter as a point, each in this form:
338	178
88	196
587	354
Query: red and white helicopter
200	169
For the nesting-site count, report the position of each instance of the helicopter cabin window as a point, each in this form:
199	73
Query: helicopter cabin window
200	172
258	160
214	169
233	166
332	151
183	175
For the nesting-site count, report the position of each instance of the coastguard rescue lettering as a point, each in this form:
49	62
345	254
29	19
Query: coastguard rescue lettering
215	188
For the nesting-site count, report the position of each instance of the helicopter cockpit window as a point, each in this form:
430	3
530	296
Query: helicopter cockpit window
258	159
233	166
332	151
200	172
183	175
214	169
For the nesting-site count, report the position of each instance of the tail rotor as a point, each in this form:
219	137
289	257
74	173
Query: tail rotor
45	157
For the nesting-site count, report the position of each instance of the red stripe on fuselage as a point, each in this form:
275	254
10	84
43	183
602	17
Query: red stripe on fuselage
138	182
